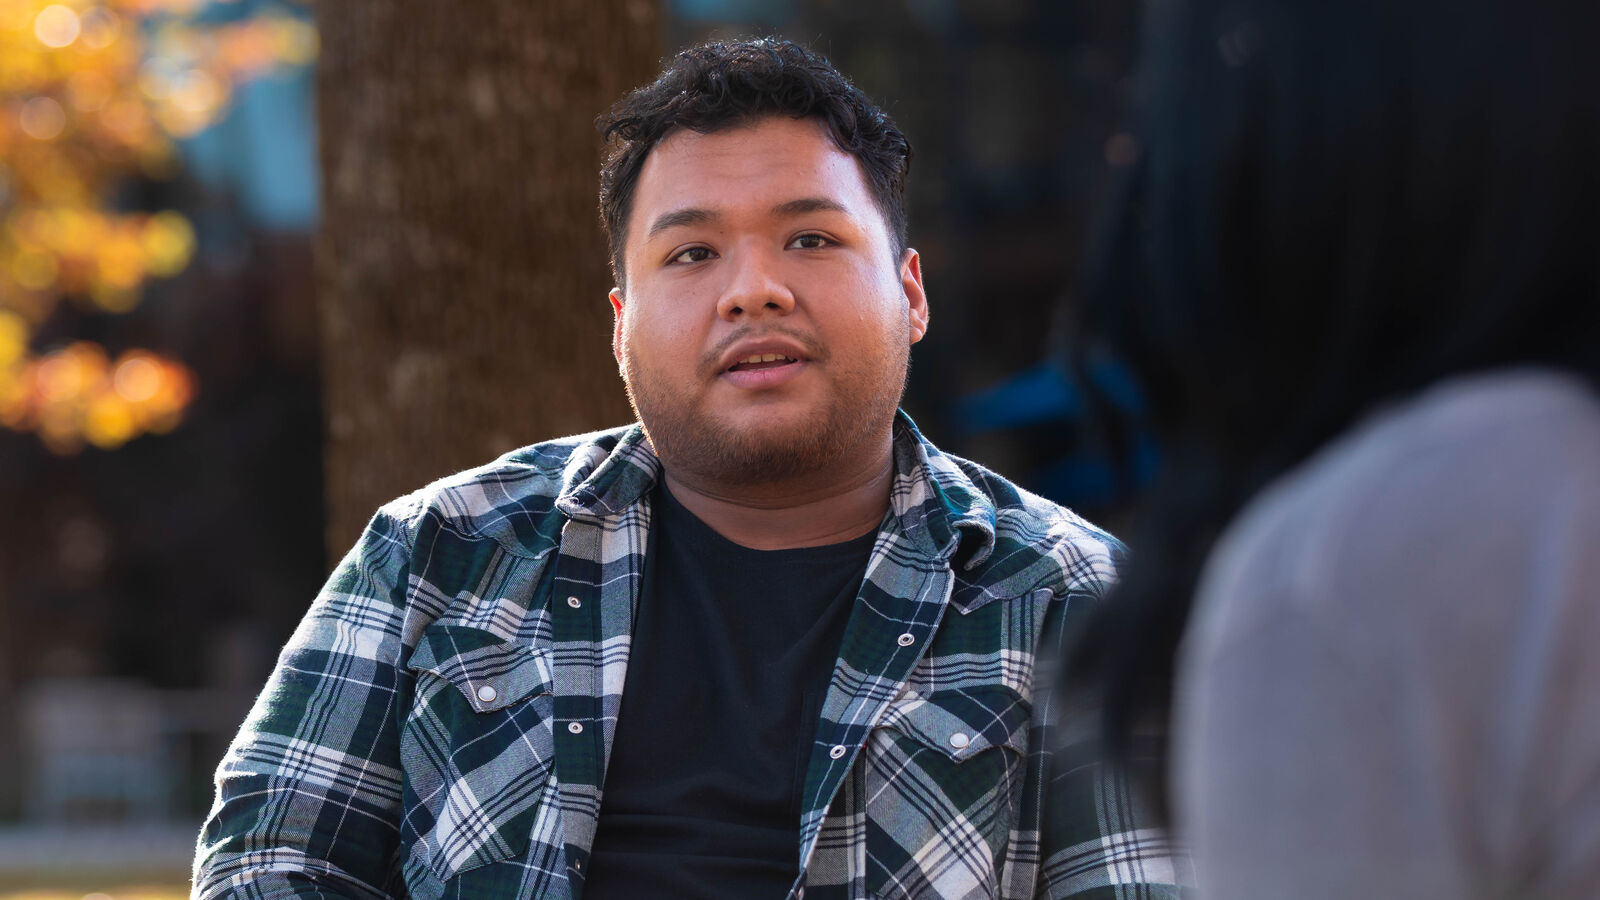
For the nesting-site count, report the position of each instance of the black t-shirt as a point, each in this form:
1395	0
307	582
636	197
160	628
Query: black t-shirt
732	653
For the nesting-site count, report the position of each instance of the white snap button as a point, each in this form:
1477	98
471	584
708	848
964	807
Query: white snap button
907	639
487	693
838	751
959	740
574	602
575	727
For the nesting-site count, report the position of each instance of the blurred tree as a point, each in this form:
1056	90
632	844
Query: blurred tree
92	96
461	269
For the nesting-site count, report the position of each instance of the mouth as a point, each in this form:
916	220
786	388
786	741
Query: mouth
764	368
756	362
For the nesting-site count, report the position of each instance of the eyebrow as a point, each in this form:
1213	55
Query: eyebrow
808	205
695	215
692	215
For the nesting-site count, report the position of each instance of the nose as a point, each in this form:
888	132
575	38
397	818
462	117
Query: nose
754	288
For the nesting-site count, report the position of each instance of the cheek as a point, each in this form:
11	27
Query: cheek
660	340
867	311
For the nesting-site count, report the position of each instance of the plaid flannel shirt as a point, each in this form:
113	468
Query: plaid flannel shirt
439	724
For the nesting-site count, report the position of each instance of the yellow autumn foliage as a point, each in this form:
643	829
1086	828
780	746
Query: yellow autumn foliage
94	92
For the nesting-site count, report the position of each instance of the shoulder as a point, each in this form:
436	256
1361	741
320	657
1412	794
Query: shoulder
510	500
1037	544
1452	497
1425	582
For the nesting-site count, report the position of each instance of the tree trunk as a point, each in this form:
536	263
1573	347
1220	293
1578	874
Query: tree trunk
461	268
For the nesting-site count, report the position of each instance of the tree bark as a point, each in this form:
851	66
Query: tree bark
461	269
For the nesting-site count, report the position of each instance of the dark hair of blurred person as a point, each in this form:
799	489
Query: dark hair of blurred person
1353	228
721	85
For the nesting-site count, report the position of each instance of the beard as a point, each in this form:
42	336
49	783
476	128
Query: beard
857	409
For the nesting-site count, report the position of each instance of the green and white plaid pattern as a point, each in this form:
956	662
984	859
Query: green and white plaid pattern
438	725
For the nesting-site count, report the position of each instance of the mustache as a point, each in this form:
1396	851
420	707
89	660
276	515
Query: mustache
711	362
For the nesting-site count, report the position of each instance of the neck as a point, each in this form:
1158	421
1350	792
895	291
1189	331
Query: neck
803	512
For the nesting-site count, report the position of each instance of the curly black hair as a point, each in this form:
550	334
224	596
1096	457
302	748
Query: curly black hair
723	84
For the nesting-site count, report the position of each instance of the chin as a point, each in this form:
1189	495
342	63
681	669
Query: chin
772	423
749	449
755	441
773	447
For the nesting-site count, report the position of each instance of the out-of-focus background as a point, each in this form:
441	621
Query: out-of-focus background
264	265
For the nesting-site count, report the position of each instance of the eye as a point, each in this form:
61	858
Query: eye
810	241
690	255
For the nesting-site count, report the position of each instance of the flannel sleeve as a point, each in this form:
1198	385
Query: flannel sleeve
1099	840
308	794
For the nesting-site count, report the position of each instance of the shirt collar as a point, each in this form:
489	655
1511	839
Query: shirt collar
932	500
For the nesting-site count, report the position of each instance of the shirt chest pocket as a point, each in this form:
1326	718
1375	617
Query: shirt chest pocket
477	751
942	784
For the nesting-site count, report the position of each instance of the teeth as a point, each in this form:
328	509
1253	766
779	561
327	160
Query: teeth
764	358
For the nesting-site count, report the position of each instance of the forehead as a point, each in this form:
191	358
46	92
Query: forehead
755	165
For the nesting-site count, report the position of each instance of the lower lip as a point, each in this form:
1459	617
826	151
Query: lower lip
757	379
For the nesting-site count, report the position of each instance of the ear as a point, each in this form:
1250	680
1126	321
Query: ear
616	331
911	283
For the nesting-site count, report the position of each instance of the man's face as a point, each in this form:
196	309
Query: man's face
766	326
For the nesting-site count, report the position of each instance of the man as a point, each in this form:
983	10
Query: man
769	642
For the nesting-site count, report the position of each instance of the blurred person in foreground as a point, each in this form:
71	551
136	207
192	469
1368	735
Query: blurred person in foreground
770	642
1357	270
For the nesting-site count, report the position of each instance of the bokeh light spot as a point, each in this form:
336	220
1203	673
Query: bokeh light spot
59	380
101	27
297	42
56	25
168	243
137	379
43	118
109	422
197	91
121	261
